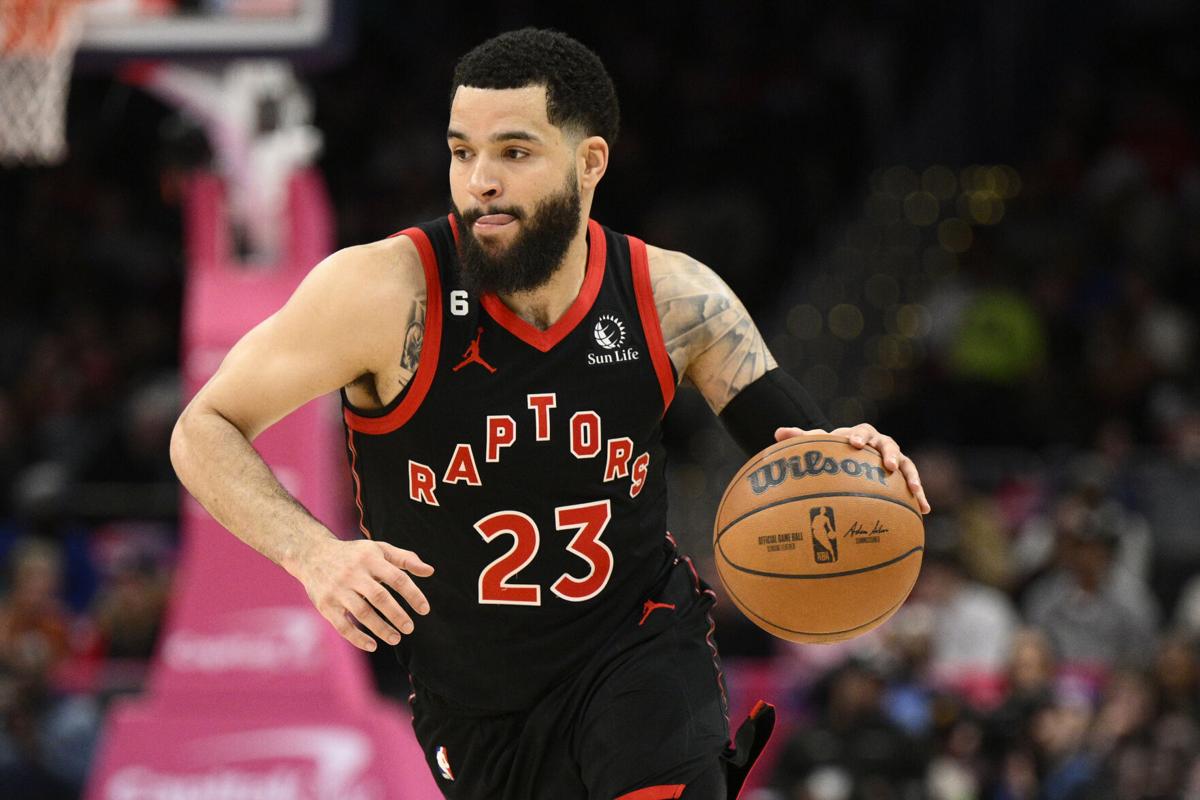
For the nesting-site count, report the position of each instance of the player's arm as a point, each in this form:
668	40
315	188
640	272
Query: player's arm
712	341
708	334
315	344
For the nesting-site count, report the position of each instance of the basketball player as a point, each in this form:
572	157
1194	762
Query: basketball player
504	371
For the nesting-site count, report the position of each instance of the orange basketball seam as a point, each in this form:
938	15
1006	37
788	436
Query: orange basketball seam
744	607
796	498
820	575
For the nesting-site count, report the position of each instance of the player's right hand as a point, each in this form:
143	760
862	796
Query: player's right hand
348	582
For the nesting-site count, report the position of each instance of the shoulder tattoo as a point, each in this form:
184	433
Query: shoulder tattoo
414	337
708	333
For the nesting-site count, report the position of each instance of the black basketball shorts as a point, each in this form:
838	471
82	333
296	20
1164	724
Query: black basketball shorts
646	718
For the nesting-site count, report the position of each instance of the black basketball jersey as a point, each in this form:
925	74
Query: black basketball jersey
526	466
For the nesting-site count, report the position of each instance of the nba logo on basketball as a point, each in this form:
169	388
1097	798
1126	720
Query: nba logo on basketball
824	534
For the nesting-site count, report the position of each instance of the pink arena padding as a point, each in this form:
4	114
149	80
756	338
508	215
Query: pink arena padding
252	693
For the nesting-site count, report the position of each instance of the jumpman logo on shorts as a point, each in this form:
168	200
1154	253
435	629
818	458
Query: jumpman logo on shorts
471	355
649	607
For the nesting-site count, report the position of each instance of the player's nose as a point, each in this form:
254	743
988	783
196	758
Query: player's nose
482	182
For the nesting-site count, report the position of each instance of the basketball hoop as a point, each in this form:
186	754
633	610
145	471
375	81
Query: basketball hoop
37	42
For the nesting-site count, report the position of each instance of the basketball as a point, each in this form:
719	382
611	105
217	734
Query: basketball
816	542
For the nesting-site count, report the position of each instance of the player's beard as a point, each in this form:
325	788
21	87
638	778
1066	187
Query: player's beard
532	257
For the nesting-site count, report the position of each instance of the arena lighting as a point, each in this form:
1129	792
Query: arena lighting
849	408
922	208
846	321
822	380
865	306
899	181
913	320
805	321
939	181
876	382
955	235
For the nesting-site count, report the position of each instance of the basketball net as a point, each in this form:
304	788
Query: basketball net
37	42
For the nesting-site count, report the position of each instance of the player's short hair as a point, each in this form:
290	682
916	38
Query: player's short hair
579	92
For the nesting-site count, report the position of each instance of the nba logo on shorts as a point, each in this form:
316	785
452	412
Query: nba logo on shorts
824	534
443	763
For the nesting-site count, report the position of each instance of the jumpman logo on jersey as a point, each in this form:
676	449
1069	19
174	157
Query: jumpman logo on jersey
650	606
471	354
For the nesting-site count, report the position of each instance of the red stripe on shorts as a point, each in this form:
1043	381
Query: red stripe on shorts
663	792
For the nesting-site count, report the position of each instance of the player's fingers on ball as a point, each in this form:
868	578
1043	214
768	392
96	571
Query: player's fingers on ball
859	436
369	618
909	469
399	580
788	432
345	625
406	560
924	502
888	450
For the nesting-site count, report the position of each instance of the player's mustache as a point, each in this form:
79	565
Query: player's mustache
471	215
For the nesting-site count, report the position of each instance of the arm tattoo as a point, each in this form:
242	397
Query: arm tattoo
708	333
413	338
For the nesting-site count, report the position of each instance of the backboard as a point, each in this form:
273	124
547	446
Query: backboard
310	33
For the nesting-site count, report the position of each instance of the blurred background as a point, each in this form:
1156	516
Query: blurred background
975	225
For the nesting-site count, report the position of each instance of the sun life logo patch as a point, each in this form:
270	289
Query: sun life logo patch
609	332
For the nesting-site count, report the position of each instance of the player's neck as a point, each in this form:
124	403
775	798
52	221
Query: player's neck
545	305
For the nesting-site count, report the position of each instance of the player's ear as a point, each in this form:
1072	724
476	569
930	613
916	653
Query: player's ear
591	161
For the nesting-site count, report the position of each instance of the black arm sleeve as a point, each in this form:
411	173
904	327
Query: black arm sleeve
775	400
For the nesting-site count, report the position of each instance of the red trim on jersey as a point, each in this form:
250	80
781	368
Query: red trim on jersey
362	514
712	646
426	362
545	340
663	792
648	311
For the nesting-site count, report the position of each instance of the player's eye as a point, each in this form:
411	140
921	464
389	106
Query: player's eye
460	153
515	153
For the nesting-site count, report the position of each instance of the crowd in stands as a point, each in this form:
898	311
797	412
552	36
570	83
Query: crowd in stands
1051	647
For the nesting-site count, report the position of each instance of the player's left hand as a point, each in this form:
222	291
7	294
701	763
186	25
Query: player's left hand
865	435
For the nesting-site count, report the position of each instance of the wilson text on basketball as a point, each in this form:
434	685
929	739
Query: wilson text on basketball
814	462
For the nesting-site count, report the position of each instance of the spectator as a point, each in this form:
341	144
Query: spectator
35	628
1059	734
130	608
1146	751
1030	686
852	745
1172	504
1177	676
982	544
1096	617
46	740
1088	484
971	624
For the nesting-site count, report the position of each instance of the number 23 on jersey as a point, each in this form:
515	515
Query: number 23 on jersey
588	520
